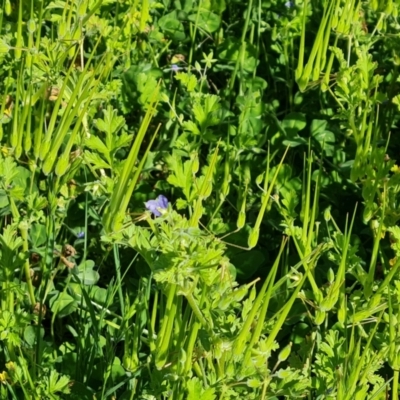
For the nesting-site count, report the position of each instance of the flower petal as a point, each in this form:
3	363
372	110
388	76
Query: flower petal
154	206
162	201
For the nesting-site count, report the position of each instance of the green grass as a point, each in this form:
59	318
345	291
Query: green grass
269	269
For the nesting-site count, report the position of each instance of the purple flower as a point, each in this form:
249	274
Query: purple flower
289	4
175	68
154	206
80	235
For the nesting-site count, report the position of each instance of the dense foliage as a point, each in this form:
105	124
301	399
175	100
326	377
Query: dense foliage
199	199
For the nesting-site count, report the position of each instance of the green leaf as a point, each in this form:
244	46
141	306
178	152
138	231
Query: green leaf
256	83
188	80
8	170
58	383
206	20
95	160
247	263
147	85
190	126
294	122
111	123
122	140
171	25
230	51
4	202
62	304
38	235
4	47
30	335
323	136
86	273
95	143
99	295
196	391
117	370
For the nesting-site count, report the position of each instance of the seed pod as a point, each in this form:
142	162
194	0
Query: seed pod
319	317
7	8
246	174
31	25
81	11
331	275
285	353
47	166
18	150
227	179
27	141
241	220
62	165
342	310
253	237
208	189
195	163
62	29
131	363
225	188
242	214
44	149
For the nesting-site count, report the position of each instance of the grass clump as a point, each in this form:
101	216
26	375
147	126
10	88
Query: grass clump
199	199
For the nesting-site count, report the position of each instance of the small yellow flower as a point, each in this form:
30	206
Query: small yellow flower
4	377
395	169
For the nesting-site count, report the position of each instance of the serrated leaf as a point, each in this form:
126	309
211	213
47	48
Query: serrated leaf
190	126
111	123
195	389
121	141
95	143
95	160
58	383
